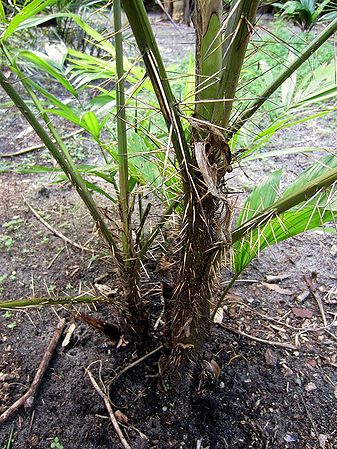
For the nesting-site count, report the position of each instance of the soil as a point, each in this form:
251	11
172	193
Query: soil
269	370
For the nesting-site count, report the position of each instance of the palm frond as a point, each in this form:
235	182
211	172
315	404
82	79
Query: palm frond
308	203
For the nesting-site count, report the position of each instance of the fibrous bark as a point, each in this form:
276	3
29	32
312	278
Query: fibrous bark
206	212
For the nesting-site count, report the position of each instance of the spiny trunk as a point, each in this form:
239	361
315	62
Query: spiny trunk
136	316
206	216
198	268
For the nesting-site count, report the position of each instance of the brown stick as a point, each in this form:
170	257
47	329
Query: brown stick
312	285
38	147
260	340
110	411
135	363
27	400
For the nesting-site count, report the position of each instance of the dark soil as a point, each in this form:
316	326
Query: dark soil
260	393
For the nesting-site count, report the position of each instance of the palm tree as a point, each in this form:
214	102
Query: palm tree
201	144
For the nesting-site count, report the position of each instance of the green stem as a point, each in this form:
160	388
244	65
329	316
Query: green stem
307	52
147	45
154	233
238	31
207	21
50	301
143	214
122	137
22	77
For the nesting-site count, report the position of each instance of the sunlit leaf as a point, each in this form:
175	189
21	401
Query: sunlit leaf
311	212
41	63
30	9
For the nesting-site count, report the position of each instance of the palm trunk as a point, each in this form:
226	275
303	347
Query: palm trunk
203	166
200	256
207	214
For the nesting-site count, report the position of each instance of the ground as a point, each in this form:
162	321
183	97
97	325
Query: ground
269	378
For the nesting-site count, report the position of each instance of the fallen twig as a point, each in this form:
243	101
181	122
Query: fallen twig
260	340
39	146
27	400
113	419
55	231
312	285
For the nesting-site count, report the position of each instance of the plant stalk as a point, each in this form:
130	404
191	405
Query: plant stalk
224	294
237	35
147	45
51	301
122	137
207	21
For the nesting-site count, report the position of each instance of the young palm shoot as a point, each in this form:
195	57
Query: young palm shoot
137	319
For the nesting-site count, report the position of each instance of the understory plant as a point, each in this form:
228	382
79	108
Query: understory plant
180	153
306	13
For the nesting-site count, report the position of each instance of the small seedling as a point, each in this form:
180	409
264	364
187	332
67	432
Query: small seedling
44	240
10	440
3	277
27	251
6	242
8	315
51	287
14	224
56	444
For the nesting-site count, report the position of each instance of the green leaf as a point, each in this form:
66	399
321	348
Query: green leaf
313	209
263	196
90	123
30	9
42	64
69	114
282	152
97	189
2	12
288	87
280	228
324	164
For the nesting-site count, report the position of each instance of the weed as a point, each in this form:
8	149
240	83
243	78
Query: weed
51	288
56	444
6	242
10	440
27	251
44	240
3	277
14	224
8	316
